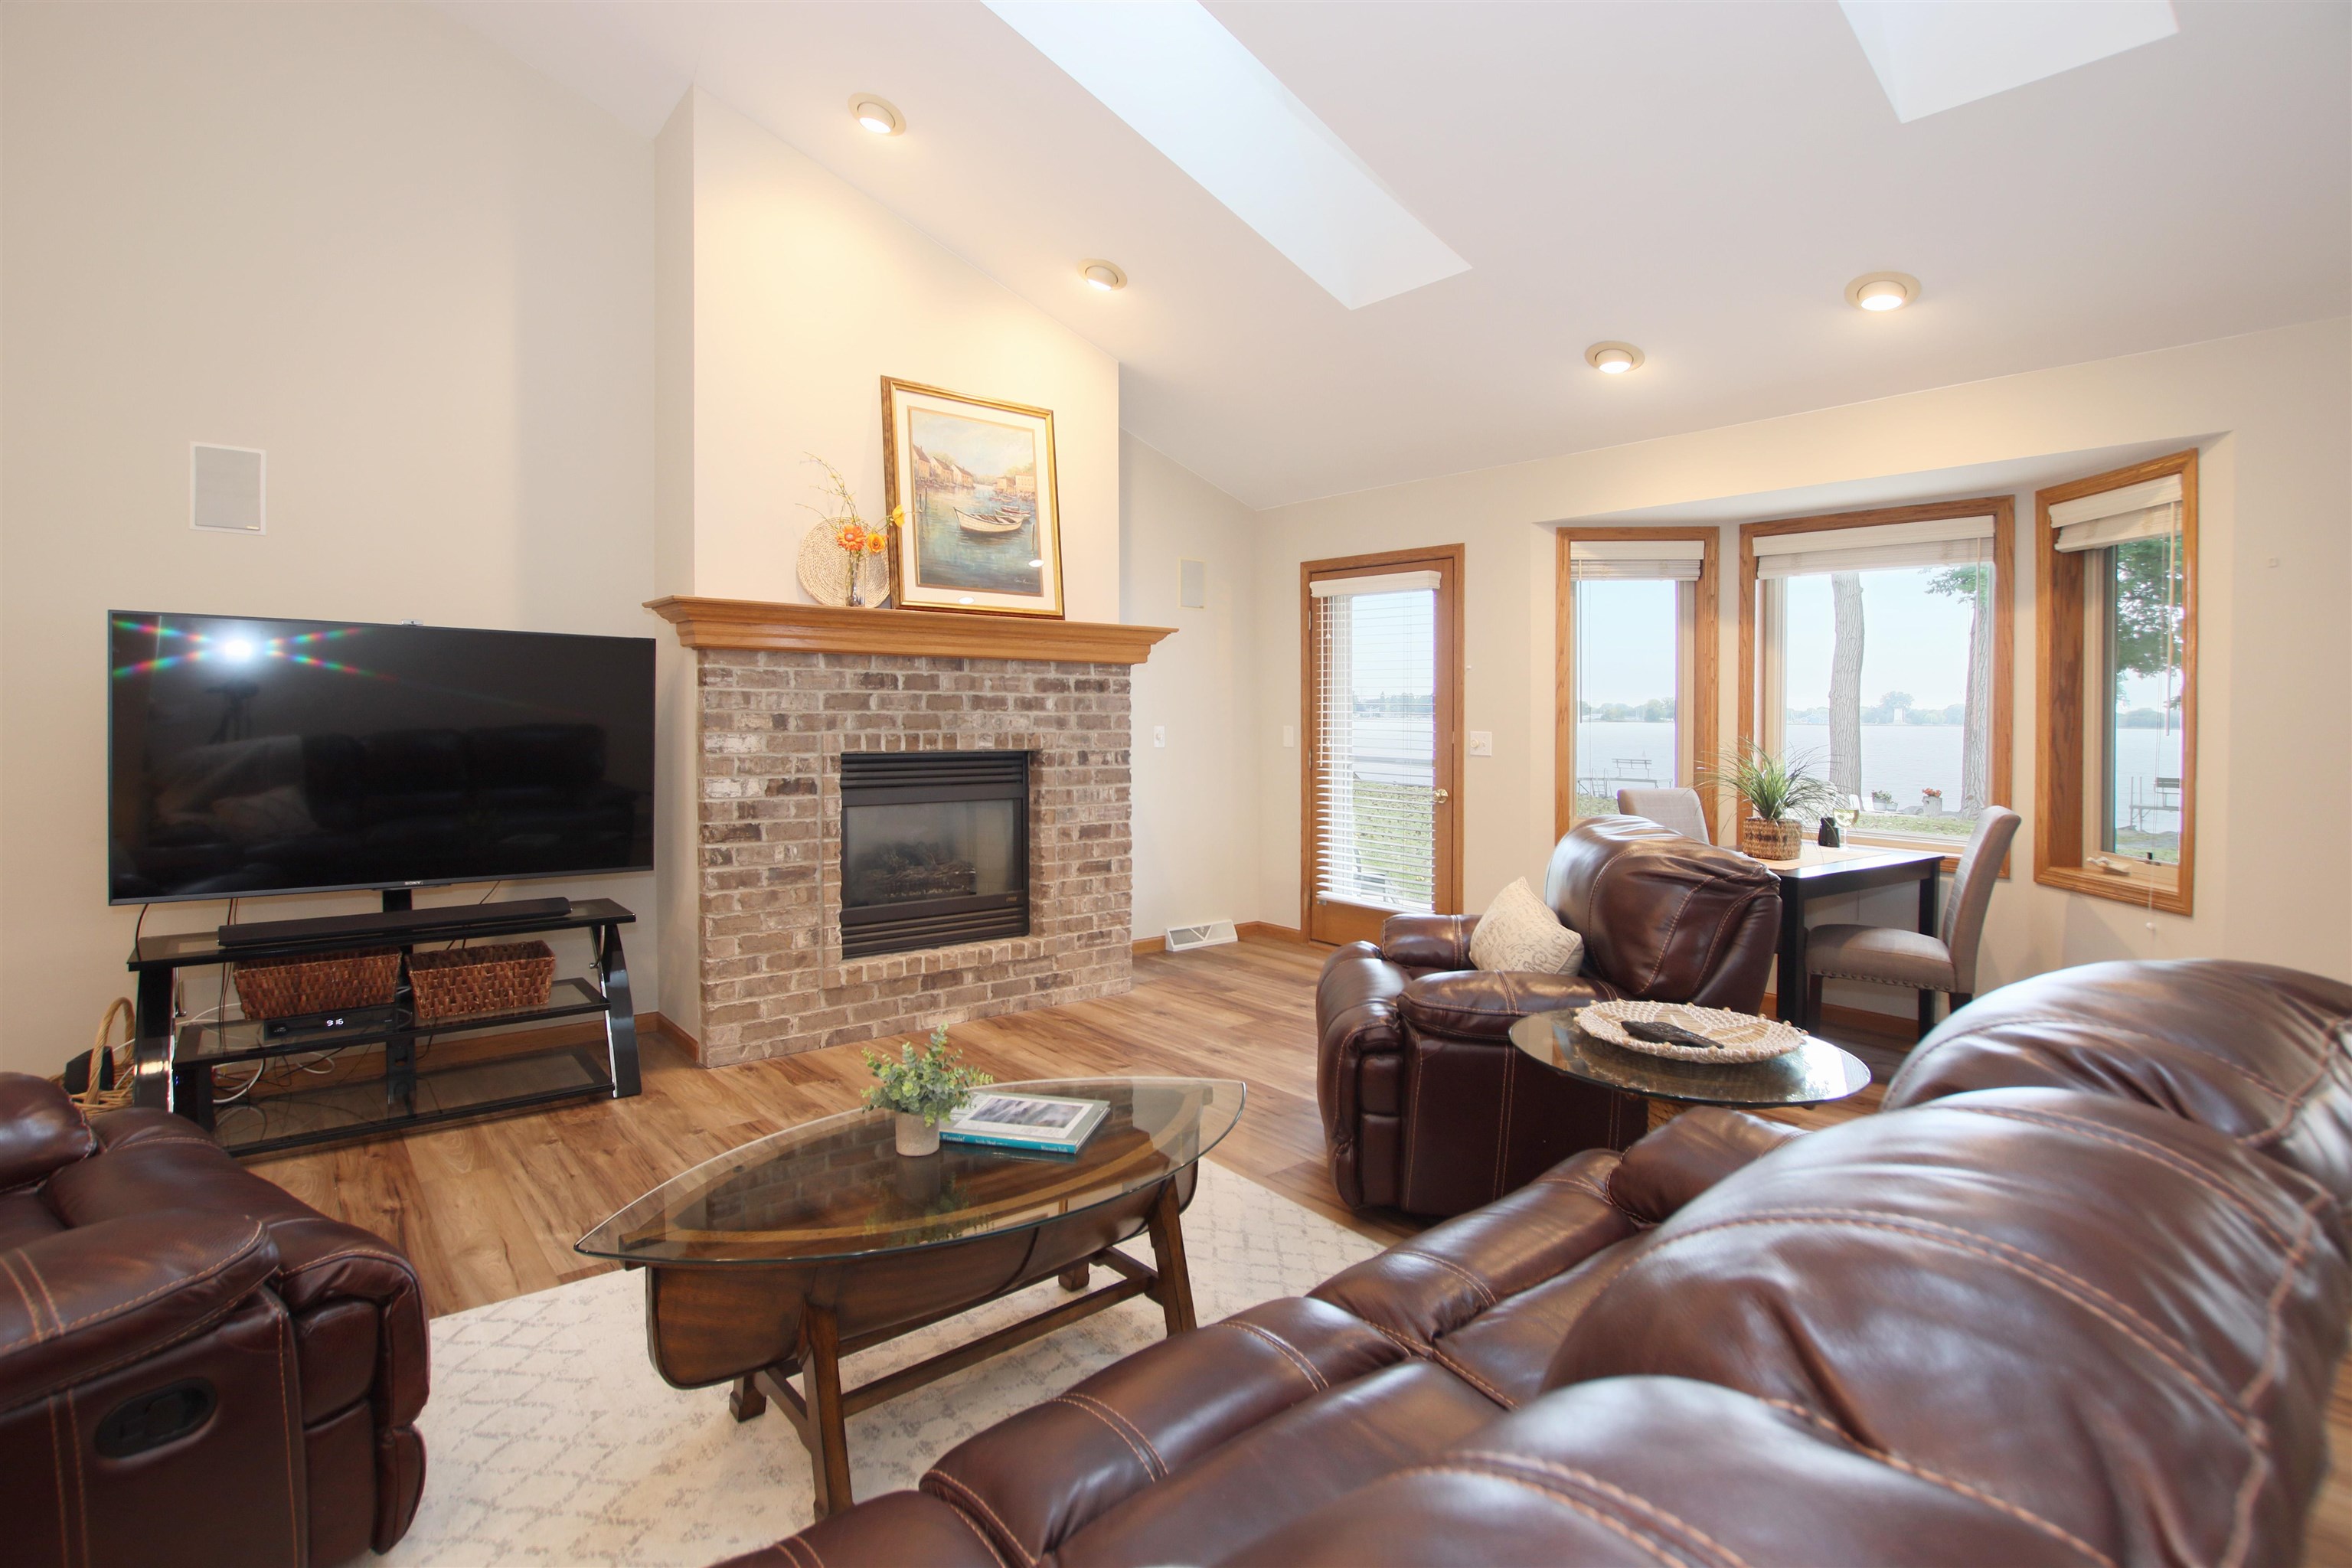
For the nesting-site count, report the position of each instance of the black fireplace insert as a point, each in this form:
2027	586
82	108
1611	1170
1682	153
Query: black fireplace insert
934	849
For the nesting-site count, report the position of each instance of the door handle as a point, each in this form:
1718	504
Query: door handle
1443	795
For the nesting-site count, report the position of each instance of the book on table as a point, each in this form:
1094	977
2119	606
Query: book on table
1046	1123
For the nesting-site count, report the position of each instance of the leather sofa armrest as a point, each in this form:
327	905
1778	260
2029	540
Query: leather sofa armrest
324	1261
1035	1479
1428	941
40	1129
1421	1289
1476	1003
87	1299
1355	1018
152	1159
887	1532
1689	1154
137	1124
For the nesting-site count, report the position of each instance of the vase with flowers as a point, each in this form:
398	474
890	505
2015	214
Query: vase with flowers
845	560
1775	789
922	1088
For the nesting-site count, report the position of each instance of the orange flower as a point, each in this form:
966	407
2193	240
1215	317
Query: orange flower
851	538
877	541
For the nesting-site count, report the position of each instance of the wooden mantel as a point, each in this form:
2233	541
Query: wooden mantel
826	628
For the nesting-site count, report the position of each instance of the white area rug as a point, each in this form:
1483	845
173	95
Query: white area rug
550	1439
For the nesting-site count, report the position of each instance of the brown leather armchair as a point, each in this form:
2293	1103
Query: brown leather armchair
1426	1105
195	1367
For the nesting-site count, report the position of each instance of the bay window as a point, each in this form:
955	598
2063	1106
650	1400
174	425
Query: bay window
1636	693
2117	594
1875	647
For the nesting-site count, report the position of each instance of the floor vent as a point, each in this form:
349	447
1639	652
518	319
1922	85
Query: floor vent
1183	939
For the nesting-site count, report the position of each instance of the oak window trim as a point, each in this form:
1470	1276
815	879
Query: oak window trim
2061	801
1706	660
2003	510
1448	560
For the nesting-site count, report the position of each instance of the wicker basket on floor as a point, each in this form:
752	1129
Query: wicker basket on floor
107	1069
290	988
460	981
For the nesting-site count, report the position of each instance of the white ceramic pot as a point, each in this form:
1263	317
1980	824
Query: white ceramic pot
917	1136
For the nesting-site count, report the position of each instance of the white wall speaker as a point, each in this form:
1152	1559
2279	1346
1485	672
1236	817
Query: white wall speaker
1193	584
227	485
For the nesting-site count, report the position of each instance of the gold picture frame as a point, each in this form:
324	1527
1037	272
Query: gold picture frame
983	530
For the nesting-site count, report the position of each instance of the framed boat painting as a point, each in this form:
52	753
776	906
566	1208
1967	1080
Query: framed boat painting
982	522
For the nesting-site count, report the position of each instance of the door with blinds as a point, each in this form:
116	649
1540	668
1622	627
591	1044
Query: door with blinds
1382	754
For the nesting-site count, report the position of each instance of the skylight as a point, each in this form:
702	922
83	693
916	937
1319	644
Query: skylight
1933	55
1185	84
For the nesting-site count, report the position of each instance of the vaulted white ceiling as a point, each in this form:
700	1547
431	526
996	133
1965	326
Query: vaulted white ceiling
1699	179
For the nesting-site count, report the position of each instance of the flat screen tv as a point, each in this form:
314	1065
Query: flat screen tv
249	756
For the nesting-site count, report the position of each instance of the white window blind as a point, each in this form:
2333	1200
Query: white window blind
2148	510
1946	541
1375	766
1650	560
1389	583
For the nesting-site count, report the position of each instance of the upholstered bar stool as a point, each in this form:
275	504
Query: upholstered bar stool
1946	961
1675	809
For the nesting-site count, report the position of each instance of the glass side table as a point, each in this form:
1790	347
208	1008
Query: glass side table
1814	1073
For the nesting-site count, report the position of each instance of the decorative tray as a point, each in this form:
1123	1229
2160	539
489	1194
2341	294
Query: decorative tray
1738	1037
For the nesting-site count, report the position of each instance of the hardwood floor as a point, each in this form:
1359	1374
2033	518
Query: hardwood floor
491	1210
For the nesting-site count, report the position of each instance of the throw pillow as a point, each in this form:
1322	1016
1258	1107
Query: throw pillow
1520	934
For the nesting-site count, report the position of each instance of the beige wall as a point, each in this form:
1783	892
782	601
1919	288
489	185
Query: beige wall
785	296
2270	412
356	235
1196	817
805	294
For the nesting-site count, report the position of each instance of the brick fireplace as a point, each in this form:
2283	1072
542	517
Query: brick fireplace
785	691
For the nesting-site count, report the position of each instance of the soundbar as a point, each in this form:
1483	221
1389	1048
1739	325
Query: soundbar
392	922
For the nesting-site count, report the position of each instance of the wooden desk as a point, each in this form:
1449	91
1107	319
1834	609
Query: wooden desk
1819	873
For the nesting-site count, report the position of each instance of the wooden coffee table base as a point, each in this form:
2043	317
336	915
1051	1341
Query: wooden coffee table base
821	1416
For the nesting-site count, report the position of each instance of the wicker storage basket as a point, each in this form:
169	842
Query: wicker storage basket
508	977
1771	840
289	987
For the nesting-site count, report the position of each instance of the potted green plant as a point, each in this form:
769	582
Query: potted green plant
1775	790
922	1088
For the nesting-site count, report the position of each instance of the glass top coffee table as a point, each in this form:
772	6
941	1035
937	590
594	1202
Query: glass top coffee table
1813	1073
798	1248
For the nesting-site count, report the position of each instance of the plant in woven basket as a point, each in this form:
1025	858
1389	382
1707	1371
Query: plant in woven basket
1777	789
864	547
925	1088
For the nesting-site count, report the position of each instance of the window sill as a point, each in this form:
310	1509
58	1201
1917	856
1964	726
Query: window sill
1911	841
2137	890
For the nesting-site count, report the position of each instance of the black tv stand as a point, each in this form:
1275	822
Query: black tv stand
400	920
260	1088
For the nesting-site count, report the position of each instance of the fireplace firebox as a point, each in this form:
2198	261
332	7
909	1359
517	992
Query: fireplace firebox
934	849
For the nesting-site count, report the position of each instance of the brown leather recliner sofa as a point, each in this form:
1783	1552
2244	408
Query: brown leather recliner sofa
2076	1298
1427	1106
195	1367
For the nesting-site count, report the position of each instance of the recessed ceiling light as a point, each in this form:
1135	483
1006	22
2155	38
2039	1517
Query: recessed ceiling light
1102	275
878	115
1881	291
1613	359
